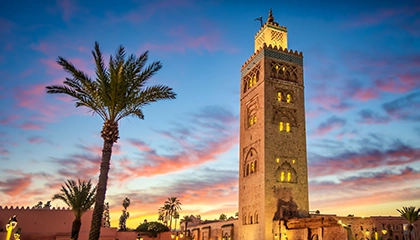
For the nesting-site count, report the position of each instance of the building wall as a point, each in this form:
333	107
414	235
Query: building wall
53	224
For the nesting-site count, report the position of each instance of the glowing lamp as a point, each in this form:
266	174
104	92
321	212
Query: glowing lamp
384	231
367	232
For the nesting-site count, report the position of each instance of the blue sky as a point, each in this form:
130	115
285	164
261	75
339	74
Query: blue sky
362	93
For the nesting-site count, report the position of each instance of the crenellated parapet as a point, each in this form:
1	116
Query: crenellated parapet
270	24
269	47
32	208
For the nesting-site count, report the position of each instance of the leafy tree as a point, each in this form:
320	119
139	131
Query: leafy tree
174	205
117	91
153	228
47	205
125	214
79	196
411	215
38	205
223	217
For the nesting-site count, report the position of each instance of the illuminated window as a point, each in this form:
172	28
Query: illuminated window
250	82
293	161
277	160
252	120
284	126
287	127
254	79
289	176
288	98
252	167
282	177
255	119
279	96
281	127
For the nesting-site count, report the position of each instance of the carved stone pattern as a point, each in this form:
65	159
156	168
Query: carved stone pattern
277	37
284	56
252	108
280	70
260	40
254	72
253	62
281	112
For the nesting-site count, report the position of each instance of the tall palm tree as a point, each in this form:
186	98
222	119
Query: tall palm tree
79	196
186	219
174	205
411	215
117	91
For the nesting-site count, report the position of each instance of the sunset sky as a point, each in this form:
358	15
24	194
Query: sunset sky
362	85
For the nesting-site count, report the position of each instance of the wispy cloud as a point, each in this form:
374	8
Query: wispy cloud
366	158
209	133
368	116
329	125
402	108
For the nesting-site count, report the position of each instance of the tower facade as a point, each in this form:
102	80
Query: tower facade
273	178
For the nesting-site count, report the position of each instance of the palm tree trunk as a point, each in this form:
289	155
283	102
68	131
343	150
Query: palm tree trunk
75	228
95	227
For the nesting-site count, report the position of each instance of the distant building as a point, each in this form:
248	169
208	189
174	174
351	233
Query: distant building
273	172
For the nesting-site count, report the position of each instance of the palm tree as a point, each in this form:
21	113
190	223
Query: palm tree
125	214
174	205
164	214
79	197
186	219
411	215
116	92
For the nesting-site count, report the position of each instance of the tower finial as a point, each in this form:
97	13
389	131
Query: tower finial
270	16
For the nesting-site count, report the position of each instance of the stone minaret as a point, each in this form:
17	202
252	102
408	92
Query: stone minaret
273	176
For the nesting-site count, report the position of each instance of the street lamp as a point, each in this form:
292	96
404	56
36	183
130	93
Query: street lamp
10	226
139	237
226	237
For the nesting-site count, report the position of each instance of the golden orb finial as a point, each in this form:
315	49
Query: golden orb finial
270	16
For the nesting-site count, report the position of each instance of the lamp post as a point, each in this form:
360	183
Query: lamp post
10	226
226	237
176	234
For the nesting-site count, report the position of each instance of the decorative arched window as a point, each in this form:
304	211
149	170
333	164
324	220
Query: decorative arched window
244	220
279	96
286	173
288	98
256	217
250	219
250	162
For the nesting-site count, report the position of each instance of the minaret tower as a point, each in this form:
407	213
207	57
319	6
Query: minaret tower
273	176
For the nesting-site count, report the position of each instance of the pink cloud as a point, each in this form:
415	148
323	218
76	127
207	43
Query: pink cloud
402	84
30	126
365	94
36	140
68	9
331	103
15	186
9	119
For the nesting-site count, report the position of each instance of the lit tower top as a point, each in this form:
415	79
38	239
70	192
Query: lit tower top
271	34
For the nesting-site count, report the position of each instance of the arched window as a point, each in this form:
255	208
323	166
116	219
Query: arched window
279	96
288	98
255	166
247	169
256	218
252	167
250	220
244	220
287	127
281	127
289	176
282	177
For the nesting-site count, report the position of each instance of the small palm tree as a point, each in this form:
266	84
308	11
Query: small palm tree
411	215
117	91
79	196
186	219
